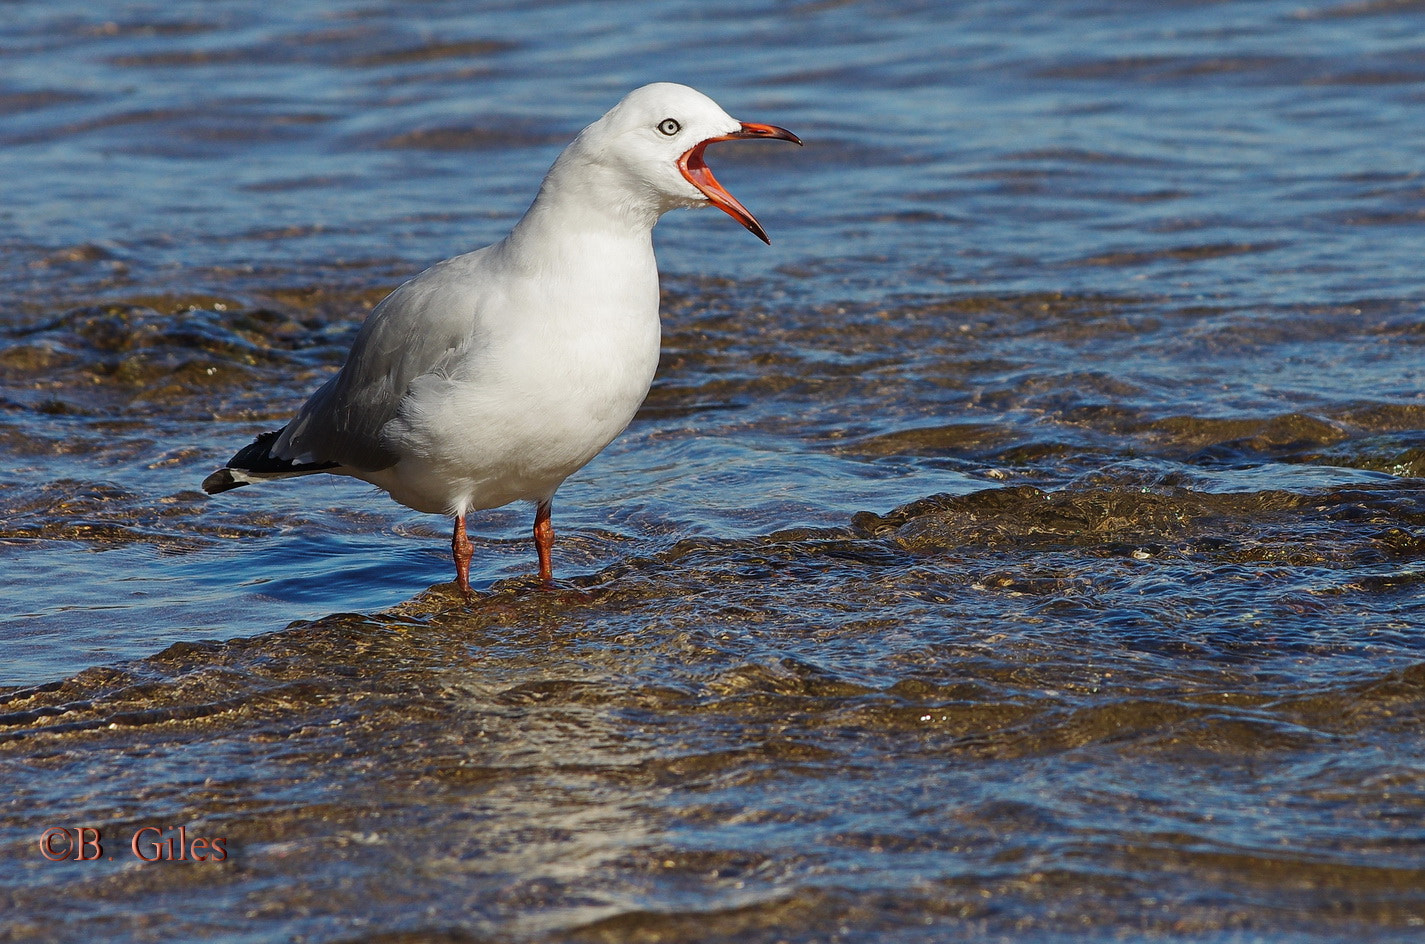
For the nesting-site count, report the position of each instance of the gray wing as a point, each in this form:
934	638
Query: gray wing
418	329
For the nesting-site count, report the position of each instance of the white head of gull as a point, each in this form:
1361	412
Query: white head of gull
493	376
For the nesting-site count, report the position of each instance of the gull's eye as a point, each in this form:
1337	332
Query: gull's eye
669	127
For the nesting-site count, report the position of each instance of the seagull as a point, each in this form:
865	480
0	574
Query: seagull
493	376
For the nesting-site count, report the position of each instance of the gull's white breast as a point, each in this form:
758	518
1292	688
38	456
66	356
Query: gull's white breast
559	356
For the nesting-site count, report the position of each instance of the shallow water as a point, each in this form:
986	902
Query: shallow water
1026	546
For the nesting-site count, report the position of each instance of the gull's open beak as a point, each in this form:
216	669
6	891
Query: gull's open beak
696	170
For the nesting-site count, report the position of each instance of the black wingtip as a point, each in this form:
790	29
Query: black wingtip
254	456
255	460
222	481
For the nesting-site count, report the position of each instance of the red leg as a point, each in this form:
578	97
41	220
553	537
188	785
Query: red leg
544	542
461	550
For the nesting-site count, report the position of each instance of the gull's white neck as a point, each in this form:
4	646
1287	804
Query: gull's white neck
585	206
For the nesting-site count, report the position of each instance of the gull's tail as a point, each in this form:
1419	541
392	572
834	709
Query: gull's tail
254	463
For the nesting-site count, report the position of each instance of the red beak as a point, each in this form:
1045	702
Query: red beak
696	170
